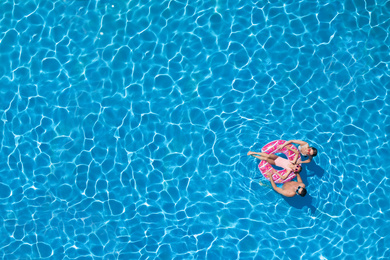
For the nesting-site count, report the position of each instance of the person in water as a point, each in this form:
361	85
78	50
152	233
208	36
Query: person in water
303	148
290	188
290	166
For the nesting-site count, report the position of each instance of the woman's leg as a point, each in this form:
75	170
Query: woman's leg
273	156
265	155
268	159
263	158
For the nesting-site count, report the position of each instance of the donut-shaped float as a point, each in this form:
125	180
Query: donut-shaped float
272	147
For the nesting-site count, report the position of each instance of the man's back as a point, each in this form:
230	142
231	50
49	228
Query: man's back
291	187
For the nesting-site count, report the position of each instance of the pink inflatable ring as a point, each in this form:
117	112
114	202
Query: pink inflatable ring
272	147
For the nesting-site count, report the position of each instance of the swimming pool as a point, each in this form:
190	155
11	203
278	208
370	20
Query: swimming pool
125	127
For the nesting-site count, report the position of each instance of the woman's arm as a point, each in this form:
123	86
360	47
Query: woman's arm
294	161
286	143
298	142
284	176
293	141
308	160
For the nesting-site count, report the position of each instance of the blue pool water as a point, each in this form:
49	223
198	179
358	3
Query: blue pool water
125	127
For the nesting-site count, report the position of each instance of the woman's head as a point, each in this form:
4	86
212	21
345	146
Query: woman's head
297	168
312	151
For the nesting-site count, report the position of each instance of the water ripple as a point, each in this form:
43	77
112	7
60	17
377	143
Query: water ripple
125	126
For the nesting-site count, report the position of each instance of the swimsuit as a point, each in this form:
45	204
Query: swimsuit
284	163
300	149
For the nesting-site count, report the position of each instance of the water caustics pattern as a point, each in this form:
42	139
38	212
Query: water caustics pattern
125	127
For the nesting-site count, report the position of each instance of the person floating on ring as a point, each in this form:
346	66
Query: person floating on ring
303	148
273	159
290	188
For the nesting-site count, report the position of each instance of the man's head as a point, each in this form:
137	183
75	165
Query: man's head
312	151
301	191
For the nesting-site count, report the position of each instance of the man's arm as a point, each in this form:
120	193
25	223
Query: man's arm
299	177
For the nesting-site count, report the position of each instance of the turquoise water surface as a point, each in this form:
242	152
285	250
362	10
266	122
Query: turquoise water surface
125	127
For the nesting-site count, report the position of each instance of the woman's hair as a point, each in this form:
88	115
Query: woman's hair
314	151
303	192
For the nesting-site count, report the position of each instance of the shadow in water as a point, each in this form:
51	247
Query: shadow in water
309	170
299	202
314	169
